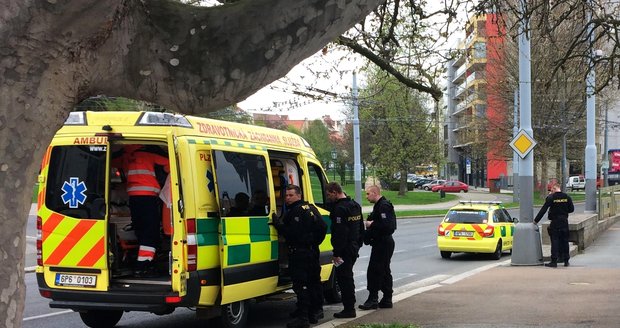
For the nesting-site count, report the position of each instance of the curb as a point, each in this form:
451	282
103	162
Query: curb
418	290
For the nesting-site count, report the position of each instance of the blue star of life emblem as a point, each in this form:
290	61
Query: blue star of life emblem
74	192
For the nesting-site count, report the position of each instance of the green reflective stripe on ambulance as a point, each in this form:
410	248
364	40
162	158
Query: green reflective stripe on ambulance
206	232
248	240
239	254
512	230
502	229
192	141
259	229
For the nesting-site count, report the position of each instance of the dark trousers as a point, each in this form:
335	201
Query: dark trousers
146	219
558	233
379	272
305	272
344	276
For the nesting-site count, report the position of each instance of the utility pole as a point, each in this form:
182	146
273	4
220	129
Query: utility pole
357	167
515	157
590	152
527	248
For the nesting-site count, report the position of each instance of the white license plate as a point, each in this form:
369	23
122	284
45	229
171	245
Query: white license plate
463	233
79	280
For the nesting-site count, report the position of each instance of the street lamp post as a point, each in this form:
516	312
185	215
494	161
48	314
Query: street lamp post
334	156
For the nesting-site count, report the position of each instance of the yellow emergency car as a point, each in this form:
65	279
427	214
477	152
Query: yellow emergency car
476	227
213	256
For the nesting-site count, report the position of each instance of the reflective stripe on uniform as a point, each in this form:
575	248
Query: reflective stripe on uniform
143	188
140	172
146	253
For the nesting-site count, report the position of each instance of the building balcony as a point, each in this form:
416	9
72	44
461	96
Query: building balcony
460	75
463	145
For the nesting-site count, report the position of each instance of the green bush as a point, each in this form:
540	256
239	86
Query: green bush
395	186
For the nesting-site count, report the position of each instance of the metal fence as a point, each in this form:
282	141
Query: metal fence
608	201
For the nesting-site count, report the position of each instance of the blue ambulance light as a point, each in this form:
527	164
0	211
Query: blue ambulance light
167	119
76	118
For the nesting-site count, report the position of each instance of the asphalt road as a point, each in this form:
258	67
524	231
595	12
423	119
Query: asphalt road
416	263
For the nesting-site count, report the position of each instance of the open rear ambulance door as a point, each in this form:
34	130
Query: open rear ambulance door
73	214
176	208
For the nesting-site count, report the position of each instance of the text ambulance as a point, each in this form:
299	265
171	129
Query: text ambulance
217	247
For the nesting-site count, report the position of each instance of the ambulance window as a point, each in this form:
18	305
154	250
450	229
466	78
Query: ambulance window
242	184
76	181
317	184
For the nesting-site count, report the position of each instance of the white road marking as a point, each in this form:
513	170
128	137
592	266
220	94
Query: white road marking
47	315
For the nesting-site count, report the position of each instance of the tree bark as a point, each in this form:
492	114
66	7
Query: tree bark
54	54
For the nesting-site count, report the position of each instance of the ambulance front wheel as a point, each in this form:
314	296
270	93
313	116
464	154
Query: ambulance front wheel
101	318
235	314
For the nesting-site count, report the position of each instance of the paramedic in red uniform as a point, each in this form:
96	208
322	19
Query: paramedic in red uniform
143	190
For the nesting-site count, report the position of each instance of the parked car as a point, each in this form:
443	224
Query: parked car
418	184
451	186
412	178
576	183
476	227
433	183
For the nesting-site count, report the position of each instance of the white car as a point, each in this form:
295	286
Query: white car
433	183
576	183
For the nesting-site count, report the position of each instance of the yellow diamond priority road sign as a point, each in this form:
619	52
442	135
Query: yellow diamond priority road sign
522	143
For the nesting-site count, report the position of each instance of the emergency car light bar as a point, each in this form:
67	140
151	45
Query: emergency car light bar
76	118
495	202
167	119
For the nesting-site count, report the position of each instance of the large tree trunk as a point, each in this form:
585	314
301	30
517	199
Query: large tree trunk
55	53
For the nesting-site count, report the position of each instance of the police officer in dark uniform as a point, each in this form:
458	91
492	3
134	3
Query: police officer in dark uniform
347	229
559	205
303	258
380	226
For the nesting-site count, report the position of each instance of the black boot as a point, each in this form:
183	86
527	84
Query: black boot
552	264
386	302
371	303
315	316
566	263
346	313
145	269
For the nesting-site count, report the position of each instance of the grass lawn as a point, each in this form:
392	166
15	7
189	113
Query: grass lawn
410	198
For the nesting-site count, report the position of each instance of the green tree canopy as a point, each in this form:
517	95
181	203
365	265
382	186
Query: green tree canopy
397	126
317	136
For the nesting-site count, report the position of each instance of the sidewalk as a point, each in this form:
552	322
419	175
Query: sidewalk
582	295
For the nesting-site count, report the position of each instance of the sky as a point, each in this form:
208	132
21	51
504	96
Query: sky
318	86
300	93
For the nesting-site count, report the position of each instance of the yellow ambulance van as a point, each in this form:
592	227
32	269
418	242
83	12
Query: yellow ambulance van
212	256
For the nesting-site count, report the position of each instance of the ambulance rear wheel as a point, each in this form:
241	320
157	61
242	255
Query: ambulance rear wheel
445	254
498	251
235	314
101	318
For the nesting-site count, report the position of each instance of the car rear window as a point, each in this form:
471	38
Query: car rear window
466	216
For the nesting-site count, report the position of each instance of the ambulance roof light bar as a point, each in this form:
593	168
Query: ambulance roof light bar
76	118
167	119
492	202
